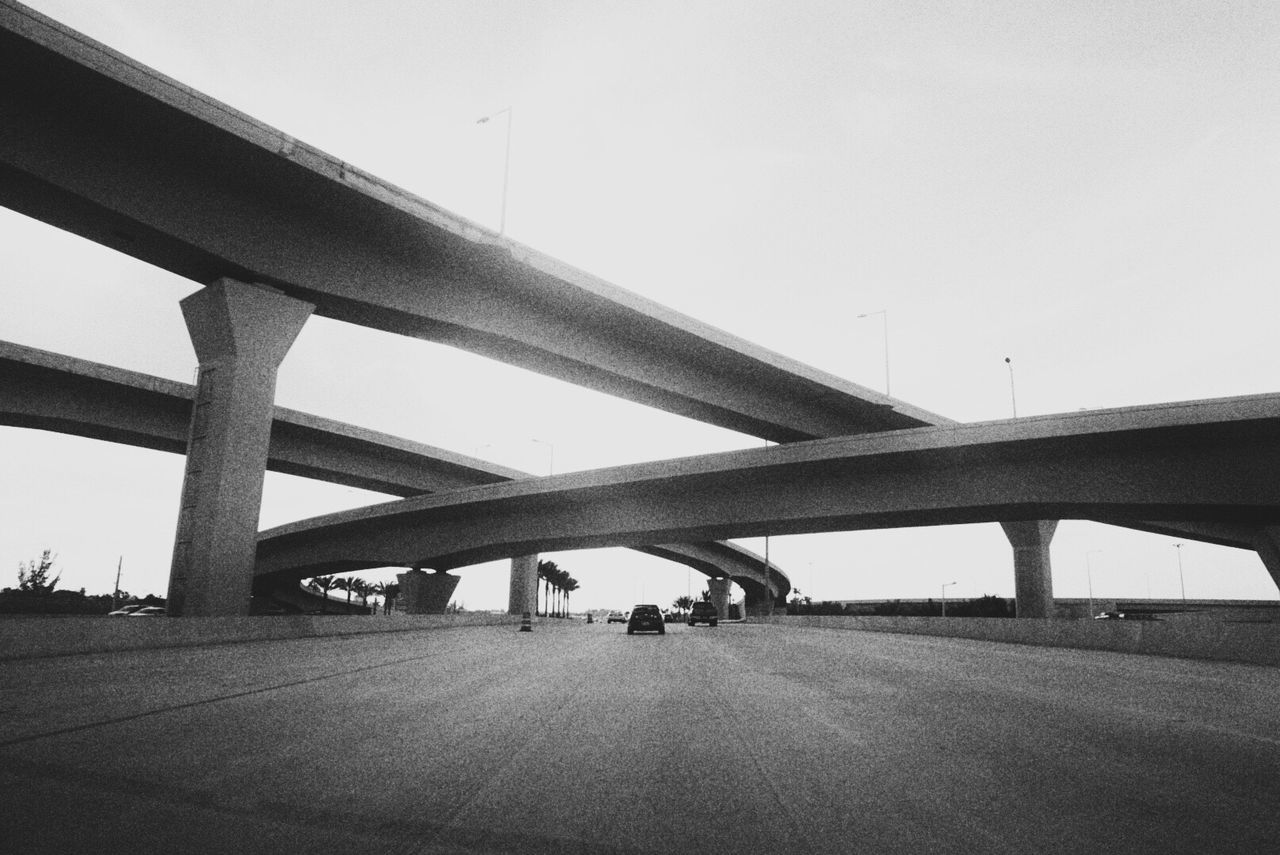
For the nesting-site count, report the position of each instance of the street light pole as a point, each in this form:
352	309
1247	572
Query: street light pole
115	595
884	315
768	594
506	163
1181	581
944	597
1013	395
1088	569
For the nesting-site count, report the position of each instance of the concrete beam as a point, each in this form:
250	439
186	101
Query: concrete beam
106	148
1213	461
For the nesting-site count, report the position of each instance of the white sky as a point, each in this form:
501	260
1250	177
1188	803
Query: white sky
1088	188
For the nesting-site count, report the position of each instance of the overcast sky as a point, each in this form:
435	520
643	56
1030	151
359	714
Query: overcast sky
1087	188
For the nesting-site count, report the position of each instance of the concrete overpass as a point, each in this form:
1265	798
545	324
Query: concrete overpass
1208	462
102	146
49	391
99	145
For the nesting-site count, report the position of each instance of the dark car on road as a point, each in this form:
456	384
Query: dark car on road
703	612
646	618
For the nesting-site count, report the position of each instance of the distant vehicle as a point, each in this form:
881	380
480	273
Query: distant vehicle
646	618
703	612
149	611
1126	616
617	617
124	611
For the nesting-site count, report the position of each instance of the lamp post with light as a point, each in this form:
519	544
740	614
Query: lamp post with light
1182	582
1013	395
1088	569
944	597
506	163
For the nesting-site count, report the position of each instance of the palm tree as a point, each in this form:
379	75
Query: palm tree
570	585
324	583
557	585
562	589
547	571
342	583
362	588
683	603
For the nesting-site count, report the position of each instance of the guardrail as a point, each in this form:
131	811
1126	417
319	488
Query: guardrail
34	637
1187	636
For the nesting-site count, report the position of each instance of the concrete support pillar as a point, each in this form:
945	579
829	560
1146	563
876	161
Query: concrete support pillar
426	593
1267	543
720	596
1032	570
241	333
524	585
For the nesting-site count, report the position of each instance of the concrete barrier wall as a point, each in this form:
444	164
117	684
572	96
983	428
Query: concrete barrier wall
32	637
1188	636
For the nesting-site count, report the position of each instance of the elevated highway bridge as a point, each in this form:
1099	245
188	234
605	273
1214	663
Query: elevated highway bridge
50	391
99	145
1213	463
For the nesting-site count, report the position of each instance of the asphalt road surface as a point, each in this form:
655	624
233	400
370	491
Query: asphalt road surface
577	738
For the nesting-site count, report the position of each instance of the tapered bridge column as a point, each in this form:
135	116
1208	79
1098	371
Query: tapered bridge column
719	589
1032	570
426	593
241	333
523	596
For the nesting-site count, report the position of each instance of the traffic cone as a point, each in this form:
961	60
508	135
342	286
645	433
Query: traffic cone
526	624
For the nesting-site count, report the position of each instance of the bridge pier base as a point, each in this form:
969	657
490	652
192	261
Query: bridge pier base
756	602
241	334
1032	569
719	589
523	595
426	593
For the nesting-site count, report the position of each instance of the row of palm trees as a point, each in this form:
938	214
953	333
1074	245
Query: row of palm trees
557	585
353	585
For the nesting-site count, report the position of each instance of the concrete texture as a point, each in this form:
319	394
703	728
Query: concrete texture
426	593
719	589
580	739
241	333
523	593
1032	569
